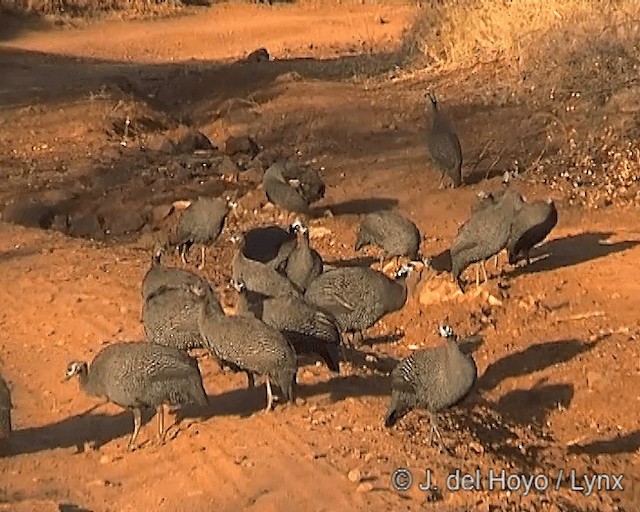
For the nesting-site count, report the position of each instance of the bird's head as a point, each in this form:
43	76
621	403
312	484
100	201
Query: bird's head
199	290
297	227
237	284
446	331
404	271
75	368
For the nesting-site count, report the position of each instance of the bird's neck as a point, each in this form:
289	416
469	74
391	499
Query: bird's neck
86	383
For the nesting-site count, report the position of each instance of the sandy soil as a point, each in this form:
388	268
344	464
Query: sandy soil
559	367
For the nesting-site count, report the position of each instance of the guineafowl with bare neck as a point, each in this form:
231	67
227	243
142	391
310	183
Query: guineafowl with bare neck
444	145
141	375
433	379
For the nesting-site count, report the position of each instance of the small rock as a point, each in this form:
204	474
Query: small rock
228	168
60	223
87	225
259	55
161	212
243	144
105	459
160	143
364	487
476	447
368	457
194	140
354	475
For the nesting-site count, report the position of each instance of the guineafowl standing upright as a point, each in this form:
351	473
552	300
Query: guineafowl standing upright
444	146
531	226
394	233
141	375
486	233
283	193
159	275
433	379
201	223
248	344
5	409
170	316
309	330
261	277
357	297
304	263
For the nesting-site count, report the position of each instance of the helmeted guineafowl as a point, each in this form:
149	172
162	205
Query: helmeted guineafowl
283	193
357	297
201	223
141	375
304	263
444	145
170	316
307	181
248	344
433	379
159	275
485	233
531	226
391	231
5	409
271	245
261	277
309	330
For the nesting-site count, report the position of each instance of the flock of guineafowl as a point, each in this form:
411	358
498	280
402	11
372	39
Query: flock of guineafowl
290	303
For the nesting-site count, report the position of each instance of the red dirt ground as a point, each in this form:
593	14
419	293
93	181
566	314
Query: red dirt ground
559	367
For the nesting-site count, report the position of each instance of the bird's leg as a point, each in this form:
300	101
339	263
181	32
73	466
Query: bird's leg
477	274
436	431
202	257
137	420
250	380
527	257
160	414
441	184
484	271
496	259
381	260
357	335
269	395
183	254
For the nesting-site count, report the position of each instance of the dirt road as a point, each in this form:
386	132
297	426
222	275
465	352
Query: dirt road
558	366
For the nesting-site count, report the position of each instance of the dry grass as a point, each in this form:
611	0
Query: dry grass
574	64
90	8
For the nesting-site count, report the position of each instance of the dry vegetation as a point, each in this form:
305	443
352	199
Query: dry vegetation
572	62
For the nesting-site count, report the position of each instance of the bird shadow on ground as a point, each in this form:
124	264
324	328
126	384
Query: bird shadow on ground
66	507
347	386
360	206
19	252
363	261
99	429
627	443
385	338
572	250
532	359
531	406
73	431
